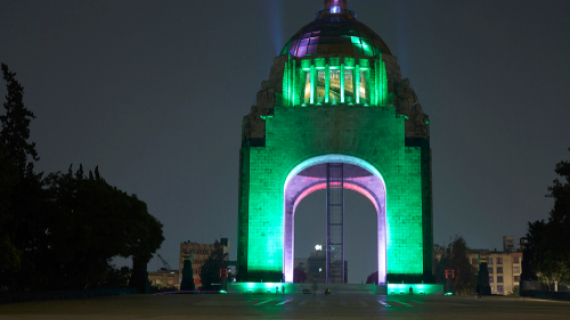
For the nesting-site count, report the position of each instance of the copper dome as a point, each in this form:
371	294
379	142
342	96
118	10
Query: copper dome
335	32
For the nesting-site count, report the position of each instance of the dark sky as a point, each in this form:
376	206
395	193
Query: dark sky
154	93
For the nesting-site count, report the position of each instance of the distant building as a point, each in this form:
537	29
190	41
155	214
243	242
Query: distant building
198	253
504	266
164	278
302	264
315	267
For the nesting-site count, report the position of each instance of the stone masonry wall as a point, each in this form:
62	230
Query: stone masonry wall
373	134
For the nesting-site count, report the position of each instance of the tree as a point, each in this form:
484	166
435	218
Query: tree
299	276
440	268
92	222
21	199
187	276
465	280
210	272
61	232
15	124
548	240
372	278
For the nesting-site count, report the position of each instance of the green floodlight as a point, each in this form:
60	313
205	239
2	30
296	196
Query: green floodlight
449	294
223	292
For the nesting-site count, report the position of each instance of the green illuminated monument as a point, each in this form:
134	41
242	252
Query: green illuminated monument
335	98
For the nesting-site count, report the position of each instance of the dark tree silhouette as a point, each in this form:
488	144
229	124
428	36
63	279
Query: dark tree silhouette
62	232
15	124
92	222
372	278
465	280
187	277
210	272
299	276
21	191
548	241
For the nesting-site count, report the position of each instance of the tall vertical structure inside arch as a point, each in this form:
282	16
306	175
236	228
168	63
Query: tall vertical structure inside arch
335	95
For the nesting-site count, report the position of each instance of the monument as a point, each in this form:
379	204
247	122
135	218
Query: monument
335	114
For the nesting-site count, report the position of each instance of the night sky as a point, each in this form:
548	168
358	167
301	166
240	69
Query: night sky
154	93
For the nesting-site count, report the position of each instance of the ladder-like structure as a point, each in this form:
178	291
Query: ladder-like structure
335	223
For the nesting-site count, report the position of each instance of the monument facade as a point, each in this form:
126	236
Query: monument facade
335	114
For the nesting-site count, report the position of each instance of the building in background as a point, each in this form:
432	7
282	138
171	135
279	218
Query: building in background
198	253
504	266
315	267
164	278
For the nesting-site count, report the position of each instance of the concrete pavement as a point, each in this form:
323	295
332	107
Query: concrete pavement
251	307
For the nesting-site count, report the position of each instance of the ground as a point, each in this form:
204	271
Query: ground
250	307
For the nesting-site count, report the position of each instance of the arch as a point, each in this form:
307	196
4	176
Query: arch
309	176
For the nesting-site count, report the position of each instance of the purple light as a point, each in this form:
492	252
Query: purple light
310	176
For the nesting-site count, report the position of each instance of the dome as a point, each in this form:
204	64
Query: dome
335	32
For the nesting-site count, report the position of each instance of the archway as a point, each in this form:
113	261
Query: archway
310	176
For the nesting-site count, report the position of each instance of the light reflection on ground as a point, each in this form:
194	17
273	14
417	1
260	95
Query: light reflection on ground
289	307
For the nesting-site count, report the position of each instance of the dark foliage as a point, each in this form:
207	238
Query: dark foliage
299	276
465	280
187	277
61	232
372	278
549	241
440	268
483	283
92	222
21	194
210	272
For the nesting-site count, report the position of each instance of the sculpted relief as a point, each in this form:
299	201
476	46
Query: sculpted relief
253	124
416	120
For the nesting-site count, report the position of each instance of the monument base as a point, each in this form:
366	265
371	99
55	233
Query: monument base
309	288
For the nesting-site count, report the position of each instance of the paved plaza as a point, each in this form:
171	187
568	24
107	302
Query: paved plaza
250	307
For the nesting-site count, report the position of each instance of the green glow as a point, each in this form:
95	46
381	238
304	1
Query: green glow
425	289
342	83
287	82
294	135
370	72
327	83
313	83
357	84
260	287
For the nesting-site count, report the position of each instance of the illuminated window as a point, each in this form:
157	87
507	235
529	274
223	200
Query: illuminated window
334	91
516	260
492	289
499	279
348	86
362	86
170	282
307	96
321	89
499	260
490	269
490	261
516	269
517	278
500	270
491	279
500	289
